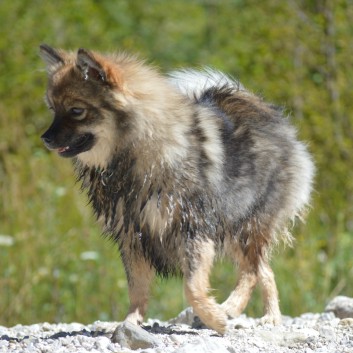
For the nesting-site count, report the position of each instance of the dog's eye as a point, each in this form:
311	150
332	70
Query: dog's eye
77	113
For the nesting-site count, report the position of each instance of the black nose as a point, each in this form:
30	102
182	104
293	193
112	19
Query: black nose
47	138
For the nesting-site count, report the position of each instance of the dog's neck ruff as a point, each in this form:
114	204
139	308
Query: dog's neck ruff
105	175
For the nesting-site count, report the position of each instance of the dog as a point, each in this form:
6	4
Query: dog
179	168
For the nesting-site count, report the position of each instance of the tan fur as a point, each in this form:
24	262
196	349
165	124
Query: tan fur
270	294
139	283
197	286
107	143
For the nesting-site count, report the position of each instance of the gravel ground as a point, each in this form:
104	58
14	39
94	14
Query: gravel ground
308	333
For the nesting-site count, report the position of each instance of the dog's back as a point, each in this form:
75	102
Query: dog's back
263	163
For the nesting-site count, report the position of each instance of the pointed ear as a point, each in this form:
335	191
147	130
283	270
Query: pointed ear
90	66
52	57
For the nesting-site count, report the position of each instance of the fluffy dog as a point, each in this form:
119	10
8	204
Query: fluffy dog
179	168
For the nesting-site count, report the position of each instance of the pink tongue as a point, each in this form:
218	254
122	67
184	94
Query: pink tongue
62	149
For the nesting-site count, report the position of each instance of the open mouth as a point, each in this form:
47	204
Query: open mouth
81	144
63	149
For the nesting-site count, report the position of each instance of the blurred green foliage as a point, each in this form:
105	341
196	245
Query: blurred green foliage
54	265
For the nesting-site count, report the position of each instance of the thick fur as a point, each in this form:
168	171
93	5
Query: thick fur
178	169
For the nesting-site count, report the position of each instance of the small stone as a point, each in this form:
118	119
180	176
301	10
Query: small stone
4	344
303	336
101	343
46	326
288	339
132	336
113	347
176	338
241	322
341	306
202	345
103	326
327	332
346	322
185	317
327	316
309	316
308	350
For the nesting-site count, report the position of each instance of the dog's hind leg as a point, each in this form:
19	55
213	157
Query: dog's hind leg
269	293
197	267
254	268
247	280
139	275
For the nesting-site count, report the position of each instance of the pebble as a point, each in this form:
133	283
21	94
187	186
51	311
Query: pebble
325	332
346	322
134	337
101	343
202	345
185	317
341	307
242	322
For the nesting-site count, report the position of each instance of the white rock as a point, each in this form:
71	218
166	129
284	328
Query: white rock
327	332
178	339
241	322
101	343
202	345
287	339
134	337
341	306
186	317
346	322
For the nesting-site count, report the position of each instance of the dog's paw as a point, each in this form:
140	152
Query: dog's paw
134	318
216	320
271	319
220	326
231	310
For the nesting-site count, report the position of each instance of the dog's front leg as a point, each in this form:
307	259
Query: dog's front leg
139	274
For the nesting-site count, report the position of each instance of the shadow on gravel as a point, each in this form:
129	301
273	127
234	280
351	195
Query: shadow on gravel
9	339
172	329
167	330
59	335
77	333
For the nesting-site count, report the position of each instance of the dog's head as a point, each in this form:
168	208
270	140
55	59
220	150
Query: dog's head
105	103
85	94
